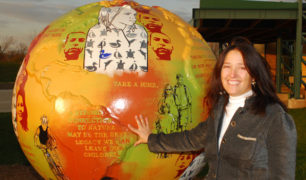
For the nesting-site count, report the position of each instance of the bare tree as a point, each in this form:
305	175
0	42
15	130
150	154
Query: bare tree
32	36
22	48
11	50
6	43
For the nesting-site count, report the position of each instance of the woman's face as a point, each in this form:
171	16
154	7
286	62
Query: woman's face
44	123
168	89
234	76
19	107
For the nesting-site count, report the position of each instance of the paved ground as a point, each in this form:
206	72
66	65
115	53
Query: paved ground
6	89
5	100
18	172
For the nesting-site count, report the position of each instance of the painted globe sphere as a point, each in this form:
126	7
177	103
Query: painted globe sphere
90	72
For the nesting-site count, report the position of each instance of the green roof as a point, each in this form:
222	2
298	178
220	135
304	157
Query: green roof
246	4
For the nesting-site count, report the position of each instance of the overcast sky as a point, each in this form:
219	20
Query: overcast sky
24	19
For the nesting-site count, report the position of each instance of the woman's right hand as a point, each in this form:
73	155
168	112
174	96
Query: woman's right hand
143	130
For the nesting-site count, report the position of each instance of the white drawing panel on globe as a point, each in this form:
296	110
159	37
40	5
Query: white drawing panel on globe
116	43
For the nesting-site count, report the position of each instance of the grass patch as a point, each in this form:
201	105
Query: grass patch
8	71
299	116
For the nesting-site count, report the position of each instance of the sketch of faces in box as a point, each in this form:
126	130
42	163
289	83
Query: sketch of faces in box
151	22
74	45
116	43
161	45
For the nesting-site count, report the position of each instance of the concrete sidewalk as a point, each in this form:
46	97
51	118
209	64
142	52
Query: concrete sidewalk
5	100
6	91
18	172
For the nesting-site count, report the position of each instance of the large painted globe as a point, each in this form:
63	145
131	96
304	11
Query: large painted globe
87	75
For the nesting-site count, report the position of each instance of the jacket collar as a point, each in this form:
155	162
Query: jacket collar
219	109
218	112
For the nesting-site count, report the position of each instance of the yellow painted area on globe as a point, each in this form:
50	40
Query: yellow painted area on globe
88	74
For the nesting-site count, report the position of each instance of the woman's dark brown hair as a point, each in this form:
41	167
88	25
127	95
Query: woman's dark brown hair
258	68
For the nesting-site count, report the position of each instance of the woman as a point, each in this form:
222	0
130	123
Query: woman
248	134
21	110
168	112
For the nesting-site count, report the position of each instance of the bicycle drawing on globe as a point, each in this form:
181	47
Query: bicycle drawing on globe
44	141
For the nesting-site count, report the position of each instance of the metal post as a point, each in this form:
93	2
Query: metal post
278	64
298	52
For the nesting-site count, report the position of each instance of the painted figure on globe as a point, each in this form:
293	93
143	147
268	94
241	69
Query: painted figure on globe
182	162
168	112
44	141
161	45
195	167
74	45
116	43
174	108
184	99
151	22
167	115
21	110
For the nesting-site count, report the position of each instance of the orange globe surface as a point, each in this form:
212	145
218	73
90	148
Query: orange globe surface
87	75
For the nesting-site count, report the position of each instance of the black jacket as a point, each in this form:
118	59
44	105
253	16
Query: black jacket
253	147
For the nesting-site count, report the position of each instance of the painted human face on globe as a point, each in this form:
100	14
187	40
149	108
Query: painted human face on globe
168	89
161	45
179	79
126	17
19	108
151	22
44	122
74	45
